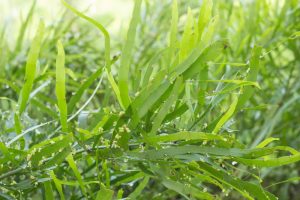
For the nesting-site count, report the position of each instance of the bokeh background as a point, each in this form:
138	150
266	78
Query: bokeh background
113	13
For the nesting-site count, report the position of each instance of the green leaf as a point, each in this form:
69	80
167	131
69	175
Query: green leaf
248	91
105	193
272	162
186	190
138	190
198	59
227	115
107	48
187	136
266	142
57	185
48	191
187	42
38	154
99	26
208	35
60	86
31	67
172	152
166	106
204	16
238	82
127	54
248	190
73	166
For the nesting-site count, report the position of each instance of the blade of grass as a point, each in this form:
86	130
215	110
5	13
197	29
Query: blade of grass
184	136
266	142
138	190
73	166
99	26
252	76
31	68
39	154
172	152
107	48
60	87
227	115
48	191
186	190
166	106
204	16
239	82
57	185
186	43
244	188
272	162
127	54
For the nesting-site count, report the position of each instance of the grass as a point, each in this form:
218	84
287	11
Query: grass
202	103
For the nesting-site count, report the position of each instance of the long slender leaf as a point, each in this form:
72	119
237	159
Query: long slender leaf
60	87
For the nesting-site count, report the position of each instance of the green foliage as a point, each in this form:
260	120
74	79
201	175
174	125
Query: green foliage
60	87
203	104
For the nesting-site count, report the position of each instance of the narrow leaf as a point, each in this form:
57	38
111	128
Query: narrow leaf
60	87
